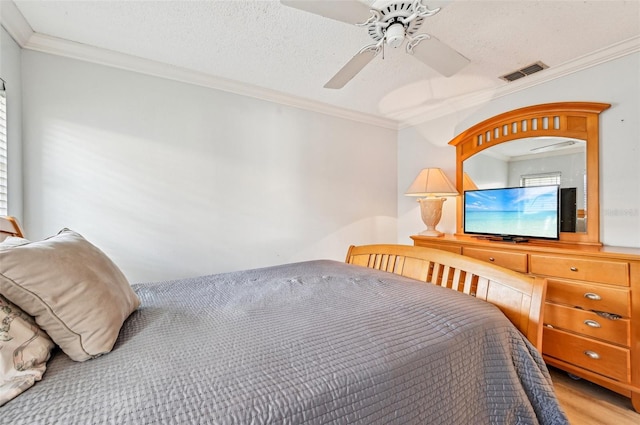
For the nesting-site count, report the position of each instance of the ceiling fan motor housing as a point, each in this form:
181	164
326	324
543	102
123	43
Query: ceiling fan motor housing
398	21
390	26
394	35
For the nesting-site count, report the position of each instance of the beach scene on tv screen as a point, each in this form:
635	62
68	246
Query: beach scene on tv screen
530	211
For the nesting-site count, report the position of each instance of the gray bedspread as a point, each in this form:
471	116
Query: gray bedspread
318	342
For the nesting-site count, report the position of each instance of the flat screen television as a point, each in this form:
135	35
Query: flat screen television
514	213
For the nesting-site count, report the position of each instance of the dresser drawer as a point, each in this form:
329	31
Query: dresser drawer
591	270
451	248
512	260
587	323
599	357
610	299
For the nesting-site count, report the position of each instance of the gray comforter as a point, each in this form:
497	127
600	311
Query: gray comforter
308	343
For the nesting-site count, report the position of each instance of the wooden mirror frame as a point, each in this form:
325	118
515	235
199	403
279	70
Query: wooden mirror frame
578	120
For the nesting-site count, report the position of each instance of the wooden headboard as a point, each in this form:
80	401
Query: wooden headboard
520	297
9	227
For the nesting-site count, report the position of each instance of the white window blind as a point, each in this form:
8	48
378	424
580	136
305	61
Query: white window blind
3	150
540	179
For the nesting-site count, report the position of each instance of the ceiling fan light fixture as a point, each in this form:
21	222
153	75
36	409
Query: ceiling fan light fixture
394	35
392	23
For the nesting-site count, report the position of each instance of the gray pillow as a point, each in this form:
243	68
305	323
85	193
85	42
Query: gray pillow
76	294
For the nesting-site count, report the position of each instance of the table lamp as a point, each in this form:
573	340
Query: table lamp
432	184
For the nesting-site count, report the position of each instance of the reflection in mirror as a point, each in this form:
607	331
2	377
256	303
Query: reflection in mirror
576	120
535	161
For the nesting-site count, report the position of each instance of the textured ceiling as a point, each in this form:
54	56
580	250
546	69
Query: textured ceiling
271	46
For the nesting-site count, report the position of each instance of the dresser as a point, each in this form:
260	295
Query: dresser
592	307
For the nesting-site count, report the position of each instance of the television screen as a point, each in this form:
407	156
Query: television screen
525	212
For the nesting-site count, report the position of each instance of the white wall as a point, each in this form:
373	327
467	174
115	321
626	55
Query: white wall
174	180
10	72
616	82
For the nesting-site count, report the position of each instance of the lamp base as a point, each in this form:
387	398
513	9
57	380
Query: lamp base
431	211
431	233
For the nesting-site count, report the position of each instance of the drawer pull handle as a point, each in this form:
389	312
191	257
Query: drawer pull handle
573	269
592	354
492	259
592	296
592	323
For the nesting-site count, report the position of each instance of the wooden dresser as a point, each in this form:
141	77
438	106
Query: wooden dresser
592	309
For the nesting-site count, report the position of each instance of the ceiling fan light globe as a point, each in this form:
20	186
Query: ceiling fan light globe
394	35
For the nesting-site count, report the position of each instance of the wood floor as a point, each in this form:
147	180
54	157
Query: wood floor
586	403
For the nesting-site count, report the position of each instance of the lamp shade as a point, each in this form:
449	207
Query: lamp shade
467	183
431	182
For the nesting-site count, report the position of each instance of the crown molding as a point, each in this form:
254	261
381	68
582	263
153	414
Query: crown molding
16	25
416	116
60	47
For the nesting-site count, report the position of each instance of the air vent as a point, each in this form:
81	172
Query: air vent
523	72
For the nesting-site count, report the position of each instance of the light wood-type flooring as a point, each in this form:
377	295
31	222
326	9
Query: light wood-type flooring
586	403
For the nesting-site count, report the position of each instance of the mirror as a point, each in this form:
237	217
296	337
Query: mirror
536	161
538	142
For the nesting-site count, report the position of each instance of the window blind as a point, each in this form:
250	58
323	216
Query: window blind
3	151
540	179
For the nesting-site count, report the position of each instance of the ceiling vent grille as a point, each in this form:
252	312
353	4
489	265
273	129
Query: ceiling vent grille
523	72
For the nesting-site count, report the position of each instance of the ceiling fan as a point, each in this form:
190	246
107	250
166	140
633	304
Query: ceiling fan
397	22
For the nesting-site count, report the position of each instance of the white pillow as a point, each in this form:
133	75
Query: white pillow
24	351
76	294
12	241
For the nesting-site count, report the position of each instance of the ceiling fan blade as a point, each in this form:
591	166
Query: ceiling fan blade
349	11
355	65
439	56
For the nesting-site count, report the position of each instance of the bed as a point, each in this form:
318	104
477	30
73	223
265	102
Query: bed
394	335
